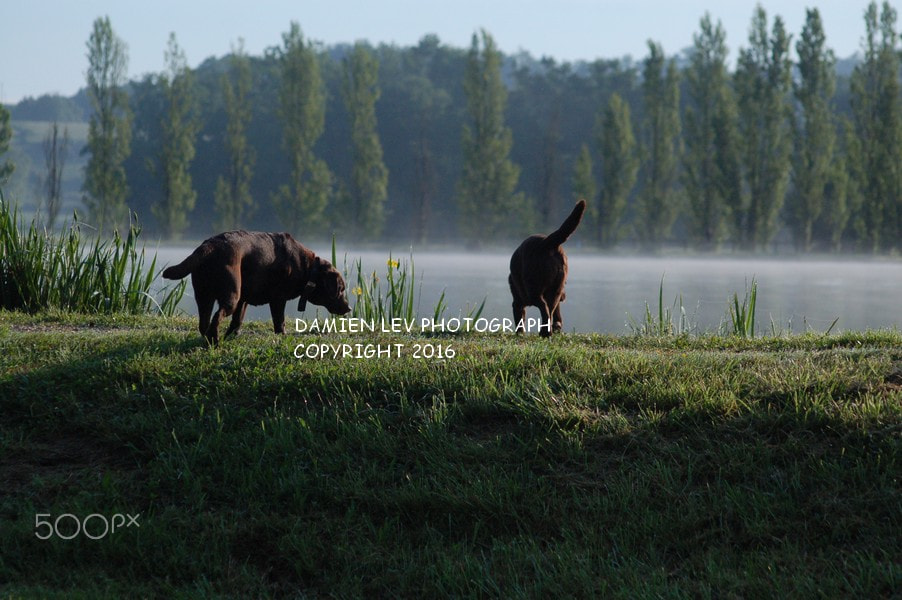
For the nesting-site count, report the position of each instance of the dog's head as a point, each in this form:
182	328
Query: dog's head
325	287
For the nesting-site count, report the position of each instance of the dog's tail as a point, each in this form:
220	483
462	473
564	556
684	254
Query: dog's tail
563	232
187	266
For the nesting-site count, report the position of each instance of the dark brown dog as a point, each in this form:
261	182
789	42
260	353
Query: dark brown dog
238	268
539	272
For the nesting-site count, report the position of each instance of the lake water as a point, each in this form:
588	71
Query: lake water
603	291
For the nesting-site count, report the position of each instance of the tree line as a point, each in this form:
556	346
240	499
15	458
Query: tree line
434	144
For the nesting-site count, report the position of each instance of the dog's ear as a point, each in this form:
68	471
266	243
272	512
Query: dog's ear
302	301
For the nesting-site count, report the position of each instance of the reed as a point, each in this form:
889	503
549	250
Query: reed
661	323
742	315
393	296
40	270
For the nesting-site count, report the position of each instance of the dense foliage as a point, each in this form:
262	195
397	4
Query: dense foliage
777	153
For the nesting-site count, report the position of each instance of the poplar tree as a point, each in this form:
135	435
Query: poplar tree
877	116
180	126
301	203
619	166
232	197
711	174
428	101
661	148
369	176
583	183
6	134
486	199
55	153
109	130
840	200
549	170
763	82
814	131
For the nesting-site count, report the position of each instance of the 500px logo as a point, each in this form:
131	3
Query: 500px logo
95	526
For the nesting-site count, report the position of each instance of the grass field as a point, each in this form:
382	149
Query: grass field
521	467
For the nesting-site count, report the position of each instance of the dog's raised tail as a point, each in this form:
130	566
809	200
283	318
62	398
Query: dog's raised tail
187	266
569	225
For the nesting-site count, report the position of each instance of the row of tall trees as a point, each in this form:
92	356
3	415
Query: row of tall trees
301	203
874	149
762	148
484	147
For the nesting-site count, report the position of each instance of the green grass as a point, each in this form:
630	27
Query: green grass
661	322
377	299
581	465
742	316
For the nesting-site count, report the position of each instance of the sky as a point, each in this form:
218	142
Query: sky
43	41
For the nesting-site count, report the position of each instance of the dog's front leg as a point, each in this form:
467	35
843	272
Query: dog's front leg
277	310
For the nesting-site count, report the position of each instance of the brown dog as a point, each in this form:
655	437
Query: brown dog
539	272
238	268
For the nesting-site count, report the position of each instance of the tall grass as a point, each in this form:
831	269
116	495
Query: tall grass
742	316
739	320
394	296
661	323
40	270
395	299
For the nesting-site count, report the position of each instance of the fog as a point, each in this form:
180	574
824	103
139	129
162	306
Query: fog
603	292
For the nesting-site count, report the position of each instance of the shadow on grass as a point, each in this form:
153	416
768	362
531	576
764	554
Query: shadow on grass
330	479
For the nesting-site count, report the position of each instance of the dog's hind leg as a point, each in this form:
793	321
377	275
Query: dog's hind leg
237	319
518	305
213	331
228	286
557	323
277	310
545	324
227	306
204	310
519	315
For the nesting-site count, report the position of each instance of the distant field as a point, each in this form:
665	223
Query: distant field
27	152
34	132
584	465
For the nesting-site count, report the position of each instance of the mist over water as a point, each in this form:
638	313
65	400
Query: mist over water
603	291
